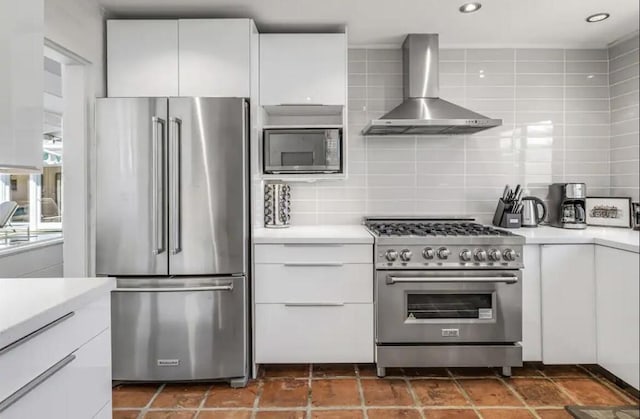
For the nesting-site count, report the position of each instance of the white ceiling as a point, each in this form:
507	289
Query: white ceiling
499	23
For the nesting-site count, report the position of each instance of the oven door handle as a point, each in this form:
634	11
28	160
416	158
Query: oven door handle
456	279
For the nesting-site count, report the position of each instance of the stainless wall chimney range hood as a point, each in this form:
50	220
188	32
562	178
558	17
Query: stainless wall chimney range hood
422	112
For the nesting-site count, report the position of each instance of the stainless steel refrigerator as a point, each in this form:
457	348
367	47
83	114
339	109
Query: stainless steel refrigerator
172	203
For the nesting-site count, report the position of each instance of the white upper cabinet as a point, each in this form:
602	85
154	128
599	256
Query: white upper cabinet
142	58
309	69
568	304
215	57
21	85
187	57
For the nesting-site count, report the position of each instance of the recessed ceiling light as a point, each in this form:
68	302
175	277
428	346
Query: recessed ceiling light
598	17
470	7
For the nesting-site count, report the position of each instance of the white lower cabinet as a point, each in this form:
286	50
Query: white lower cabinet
313	333
617	301
313	303
61	371
531	318
568	304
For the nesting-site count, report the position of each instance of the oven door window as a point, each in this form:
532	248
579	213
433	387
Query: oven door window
450	306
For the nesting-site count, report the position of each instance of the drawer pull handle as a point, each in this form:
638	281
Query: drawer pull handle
312	245
313	264
313	304
31	385
32	335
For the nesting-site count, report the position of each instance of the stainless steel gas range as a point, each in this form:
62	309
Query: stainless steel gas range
448	293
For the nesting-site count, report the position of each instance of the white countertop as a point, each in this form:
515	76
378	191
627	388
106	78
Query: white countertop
619	238
27	304
346	234
36	240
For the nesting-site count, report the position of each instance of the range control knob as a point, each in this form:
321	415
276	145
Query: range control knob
391	255
405	255
480	255
443	253
465	255
428	253
509	255
494	255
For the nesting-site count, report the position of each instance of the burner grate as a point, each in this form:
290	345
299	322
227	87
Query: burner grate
434	229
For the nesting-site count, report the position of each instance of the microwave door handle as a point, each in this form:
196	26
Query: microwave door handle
456	279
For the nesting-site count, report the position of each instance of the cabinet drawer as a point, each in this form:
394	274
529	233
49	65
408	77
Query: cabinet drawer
77	387
27	358
89	385
314	283
298	252
314	334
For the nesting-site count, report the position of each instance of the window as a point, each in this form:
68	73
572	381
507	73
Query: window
39	196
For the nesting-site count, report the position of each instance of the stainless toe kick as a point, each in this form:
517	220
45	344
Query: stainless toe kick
393	356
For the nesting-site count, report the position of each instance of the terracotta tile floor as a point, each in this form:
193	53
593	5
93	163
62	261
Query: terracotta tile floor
352	391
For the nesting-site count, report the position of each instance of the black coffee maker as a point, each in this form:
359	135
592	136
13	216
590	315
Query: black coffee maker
567	203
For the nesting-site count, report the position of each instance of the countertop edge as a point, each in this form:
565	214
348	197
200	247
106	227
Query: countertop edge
19	248
41	319
311	234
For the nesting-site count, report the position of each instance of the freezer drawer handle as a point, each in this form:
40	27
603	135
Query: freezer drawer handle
227	287
157	199
459	279
32	335
31	385
175	184
313	304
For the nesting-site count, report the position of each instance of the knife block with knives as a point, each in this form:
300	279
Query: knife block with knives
509	210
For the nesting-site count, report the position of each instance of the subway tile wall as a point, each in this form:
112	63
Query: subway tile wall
555	109
623	88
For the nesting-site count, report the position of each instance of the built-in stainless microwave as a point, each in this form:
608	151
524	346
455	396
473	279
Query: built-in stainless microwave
307	150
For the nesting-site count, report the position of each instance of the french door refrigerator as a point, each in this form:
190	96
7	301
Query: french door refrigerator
173	227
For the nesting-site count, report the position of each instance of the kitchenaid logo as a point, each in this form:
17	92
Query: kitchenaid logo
168	362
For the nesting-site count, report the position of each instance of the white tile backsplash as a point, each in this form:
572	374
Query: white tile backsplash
624	102
561	123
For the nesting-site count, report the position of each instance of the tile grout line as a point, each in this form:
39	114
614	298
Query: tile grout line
518	396
466	395
561	388
611	386
146	408
203	401
256	402
309	390
412	393
361	393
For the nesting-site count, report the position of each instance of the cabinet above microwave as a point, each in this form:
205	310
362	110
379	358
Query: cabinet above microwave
302	151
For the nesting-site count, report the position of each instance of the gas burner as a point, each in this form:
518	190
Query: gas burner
435	229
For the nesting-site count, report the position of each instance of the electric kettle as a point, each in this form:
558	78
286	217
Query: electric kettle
531	213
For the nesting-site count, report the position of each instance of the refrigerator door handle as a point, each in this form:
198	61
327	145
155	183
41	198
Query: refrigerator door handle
157	186
176	133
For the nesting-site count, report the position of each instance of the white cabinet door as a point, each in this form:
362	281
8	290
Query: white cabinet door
21	85
142	58
215	57
617	304
568	304
531	318
303	69
313	333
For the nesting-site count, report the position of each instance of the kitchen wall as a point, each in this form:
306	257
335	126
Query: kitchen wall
625	142
78	26
555	109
